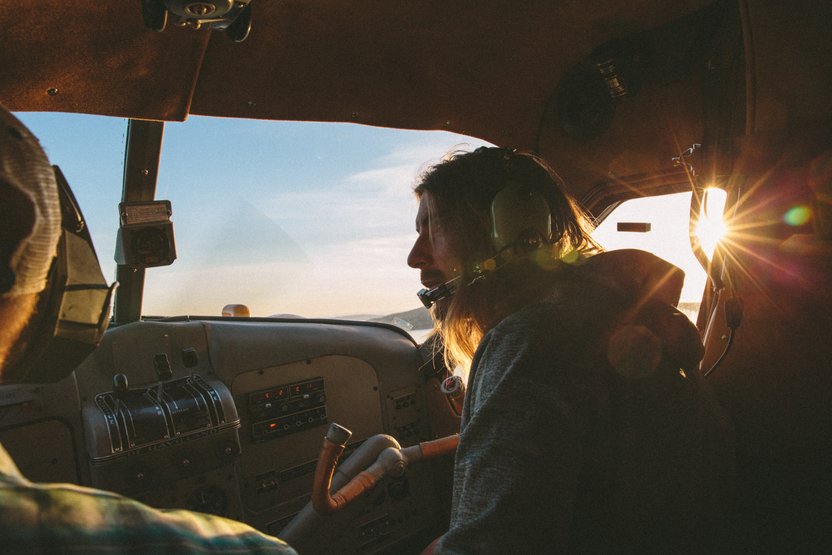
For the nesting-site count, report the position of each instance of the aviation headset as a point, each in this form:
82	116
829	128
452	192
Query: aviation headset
74	308
520	220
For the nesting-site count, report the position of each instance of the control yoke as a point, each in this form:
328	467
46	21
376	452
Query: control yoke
391	461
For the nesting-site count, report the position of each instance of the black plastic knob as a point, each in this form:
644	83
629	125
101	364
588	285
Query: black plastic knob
162	366
120	385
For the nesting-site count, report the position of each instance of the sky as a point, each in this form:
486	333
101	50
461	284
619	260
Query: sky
309	219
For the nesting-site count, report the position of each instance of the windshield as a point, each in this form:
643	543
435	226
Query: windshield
297	218
287	218
660	225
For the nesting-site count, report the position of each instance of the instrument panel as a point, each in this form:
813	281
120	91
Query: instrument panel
227	416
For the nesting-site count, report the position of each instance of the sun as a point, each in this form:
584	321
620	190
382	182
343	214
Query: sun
710	228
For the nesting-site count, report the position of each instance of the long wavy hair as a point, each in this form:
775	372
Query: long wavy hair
460	190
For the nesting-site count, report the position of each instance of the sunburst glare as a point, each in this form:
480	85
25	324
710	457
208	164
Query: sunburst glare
711	228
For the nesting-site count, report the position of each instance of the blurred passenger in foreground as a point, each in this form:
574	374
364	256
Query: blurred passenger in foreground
586	426
65	518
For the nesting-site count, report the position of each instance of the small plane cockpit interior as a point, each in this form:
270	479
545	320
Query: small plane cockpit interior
263	413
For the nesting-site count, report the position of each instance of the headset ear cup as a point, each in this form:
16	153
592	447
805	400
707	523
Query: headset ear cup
519	214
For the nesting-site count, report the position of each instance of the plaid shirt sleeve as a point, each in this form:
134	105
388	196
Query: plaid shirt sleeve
65	518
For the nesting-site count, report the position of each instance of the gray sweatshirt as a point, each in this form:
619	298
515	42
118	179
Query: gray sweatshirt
563	451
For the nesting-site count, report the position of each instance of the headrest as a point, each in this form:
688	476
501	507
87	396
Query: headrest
32	213
639	274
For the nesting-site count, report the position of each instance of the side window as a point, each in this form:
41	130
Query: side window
660	225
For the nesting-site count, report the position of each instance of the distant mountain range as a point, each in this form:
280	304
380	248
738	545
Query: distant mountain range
416	319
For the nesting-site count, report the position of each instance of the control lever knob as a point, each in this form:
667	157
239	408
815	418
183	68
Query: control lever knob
338	435
120	386
454	389
162	366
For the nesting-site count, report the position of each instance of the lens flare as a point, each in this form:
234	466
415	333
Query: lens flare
798	215
711	228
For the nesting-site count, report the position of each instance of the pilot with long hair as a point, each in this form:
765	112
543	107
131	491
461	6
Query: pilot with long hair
66	518
586	426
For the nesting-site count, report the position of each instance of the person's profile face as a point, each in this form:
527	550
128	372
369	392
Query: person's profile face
432	253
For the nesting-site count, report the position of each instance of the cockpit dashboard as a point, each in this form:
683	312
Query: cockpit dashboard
227	416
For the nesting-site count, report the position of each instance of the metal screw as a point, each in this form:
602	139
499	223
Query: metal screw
145	172
52	91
